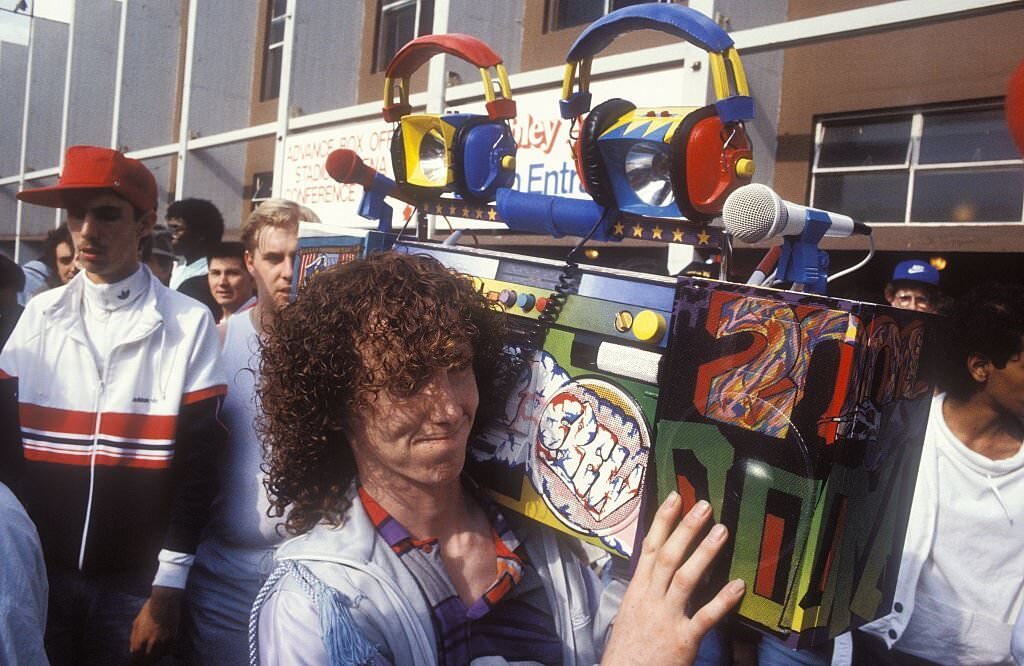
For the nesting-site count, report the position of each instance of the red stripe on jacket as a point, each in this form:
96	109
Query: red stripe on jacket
104	459
202	394
112	424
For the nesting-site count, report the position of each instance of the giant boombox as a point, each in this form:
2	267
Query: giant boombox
799	418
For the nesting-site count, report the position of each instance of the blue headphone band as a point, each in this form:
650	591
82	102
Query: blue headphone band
683	22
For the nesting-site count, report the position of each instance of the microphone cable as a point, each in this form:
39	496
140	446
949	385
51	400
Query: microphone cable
856	267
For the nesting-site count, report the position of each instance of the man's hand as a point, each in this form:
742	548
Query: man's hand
156	626
653	626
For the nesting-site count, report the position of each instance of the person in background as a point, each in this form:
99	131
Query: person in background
371	383
196	227
23	588
109	396
56	264
12	282
237	551
158	254
230	283
960	587
915	286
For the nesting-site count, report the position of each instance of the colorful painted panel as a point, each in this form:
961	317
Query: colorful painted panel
319	252
800	418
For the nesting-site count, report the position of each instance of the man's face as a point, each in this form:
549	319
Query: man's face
1005	386
270	265
106	234
230	282
908	297
183	240
420	439
64	260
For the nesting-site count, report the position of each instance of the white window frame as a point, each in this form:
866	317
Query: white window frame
389	7
910	164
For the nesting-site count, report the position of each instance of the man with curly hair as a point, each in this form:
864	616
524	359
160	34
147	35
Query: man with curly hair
237	551
372	382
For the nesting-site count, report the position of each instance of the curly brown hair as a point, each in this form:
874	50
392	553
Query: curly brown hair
385	323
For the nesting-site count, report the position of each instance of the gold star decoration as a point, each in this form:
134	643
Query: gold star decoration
677	235
618	229
656	233
465	211
492	214
452	208
638	231
703	237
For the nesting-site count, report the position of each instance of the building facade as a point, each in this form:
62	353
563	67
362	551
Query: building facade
891	112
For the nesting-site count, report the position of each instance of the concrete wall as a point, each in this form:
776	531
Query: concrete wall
149	84
93	68
325	64
221	91
46	103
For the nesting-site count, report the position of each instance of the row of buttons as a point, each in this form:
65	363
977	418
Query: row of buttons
646	325
525	301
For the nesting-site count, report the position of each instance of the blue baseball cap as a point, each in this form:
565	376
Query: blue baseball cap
915	270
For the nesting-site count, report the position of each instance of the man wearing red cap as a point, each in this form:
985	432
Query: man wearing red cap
115	438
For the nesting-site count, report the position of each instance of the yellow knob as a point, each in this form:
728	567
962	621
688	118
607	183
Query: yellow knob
745	167
508	162
648	326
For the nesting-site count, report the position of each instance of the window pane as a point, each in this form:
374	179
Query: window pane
280	6
966	136
426	18
396	28
271	74
575	12
865	143
961	195
866	197
276	32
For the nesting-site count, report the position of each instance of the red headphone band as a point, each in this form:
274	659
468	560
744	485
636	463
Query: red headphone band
416	53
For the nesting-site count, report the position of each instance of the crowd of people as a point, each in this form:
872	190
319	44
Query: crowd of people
195	469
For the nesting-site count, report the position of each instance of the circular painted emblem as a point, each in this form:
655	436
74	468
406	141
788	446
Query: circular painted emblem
589	456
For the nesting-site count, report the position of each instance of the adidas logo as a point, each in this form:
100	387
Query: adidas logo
123	294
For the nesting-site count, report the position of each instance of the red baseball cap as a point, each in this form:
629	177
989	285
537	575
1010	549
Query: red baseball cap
95	168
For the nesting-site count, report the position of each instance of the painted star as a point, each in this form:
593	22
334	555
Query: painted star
465	211
656	232
618	229
677	235
492	214
638	231
703	237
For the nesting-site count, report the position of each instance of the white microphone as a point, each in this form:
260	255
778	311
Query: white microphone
755	212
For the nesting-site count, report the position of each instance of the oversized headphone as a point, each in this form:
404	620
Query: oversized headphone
704	152
469	154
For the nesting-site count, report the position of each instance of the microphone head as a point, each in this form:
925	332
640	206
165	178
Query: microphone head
345	166
753	212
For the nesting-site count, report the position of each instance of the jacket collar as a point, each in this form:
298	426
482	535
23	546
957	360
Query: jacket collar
353	540
67	311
